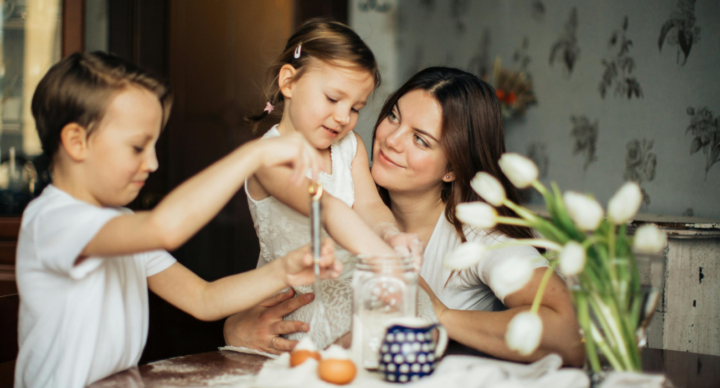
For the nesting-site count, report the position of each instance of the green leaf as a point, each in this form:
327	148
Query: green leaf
549	203
562	218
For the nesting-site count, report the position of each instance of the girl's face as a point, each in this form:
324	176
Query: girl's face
323	104
407	155
121	153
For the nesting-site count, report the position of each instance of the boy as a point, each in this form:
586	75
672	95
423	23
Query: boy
84	264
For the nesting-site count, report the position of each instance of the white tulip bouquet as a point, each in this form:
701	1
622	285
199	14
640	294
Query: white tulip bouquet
594	252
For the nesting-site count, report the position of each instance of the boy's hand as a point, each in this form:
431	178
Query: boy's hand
299	268
294	151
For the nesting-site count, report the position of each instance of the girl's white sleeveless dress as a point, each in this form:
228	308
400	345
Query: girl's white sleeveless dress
281	229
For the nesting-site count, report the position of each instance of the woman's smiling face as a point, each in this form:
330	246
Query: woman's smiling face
407	154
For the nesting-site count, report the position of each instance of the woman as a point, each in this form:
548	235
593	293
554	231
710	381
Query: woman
432	136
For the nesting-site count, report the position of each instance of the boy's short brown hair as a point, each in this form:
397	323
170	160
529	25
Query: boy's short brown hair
79	88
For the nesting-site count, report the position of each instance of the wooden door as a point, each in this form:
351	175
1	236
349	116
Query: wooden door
218	53
214	54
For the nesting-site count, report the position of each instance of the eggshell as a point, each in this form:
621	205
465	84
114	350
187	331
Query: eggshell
297	357
306	344
335	352
337	371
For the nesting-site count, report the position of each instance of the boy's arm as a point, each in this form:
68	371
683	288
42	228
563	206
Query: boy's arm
223	297
195	202
342	223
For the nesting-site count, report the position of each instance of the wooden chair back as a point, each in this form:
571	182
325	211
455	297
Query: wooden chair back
9	311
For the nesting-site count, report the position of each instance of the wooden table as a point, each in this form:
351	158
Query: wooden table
685	370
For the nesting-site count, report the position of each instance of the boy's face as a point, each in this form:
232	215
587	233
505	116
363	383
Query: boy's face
121	153
325	101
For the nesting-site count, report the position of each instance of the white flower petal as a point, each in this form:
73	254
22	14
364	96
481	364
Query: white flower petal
477	214
489	188
510	275
585	211
464	256
521	171
524	333
625	203
572	258
649	239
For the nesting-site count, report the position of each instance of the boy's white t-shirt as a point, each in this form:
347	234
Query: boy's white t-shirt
470	289
78	323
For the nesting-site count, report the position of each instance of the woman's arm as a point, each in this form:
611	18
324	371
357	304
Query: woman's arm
485	330
209	301
195	202
343	224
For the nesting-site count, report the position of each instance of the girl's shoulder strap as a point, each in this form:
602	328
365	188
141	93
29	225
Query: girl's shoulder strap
347	147
272	132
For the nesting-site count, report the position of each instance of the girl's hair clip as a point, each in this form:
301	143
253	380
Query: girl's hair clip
269	107
298	51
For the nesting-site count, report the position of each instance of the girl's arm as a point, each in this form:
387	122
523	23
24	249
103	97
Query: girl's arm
195	202
342	223
221	298
485	330
373	211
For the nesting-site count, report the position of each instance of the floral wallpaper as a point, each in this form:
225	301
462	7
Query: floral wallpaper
625	90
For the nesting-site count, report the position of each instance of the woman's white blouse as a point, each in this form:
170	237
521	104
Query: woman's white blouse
470	289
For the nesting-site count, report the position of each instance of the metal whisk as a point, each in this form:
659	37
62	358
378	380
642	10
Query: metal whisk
320	330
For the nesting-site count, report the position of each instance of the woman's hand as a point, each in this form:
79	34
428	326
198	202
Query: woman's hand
299	268
260	327
438	306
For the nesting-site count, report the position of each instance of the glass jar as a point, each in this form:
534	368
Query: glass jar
384	288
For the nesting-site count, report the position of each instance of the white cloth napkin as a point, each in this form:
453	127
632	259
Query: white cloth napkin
242	349
634	380
453	371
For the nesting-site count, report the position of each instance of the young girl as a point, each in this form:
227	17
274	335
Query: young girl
321	80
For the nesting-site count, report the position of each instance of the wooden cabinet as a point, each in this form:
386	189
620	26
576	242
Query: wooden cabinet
688	316
9	229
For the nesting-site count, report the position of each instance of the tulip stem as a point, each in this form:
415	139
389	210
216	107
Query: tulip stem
513	221
529	242
541	290
520	211
539	187
611	255
583	311
600	342
592	240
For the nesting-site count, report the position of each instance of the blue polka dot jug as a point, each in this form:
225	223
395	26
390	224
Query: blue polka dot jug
409	352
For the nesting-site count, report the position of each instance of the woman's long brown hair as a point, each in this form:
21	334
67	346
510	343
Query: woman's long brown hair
472	137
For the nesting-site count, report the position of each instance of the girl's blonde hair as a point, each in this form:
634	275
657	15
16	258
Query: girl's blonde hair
328	41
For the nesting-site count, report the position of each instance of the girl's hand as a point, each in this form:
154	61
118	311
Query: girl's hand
293	151
403	243
299	268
